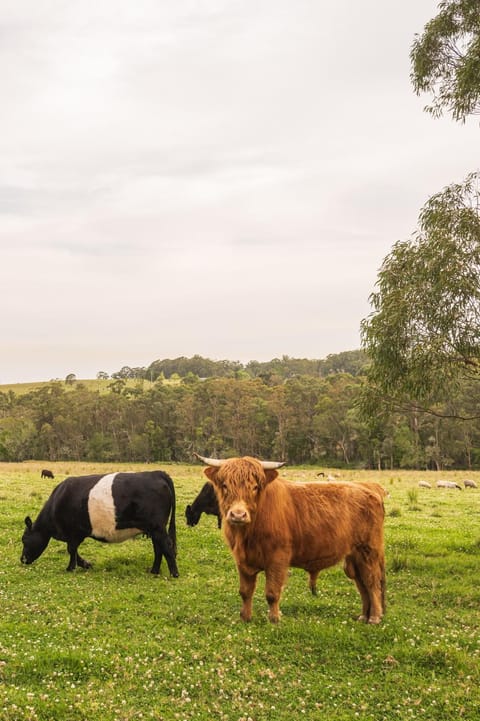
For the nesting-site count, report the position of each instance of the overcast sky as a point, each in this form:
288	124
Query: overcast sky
221	178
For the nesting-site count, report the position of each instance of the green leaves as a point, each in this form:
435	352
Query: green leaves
445	60
423	335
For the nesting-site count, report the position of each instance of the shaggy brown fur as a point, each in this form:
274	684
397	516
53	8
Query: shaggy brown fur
272	524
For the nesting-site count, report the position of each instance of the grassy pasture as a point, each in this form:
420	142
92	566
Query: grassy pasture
115	643
92	384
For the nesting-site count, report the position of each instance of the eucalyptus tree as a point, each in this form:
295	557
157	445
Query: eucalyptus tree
302	394
423	335
445	60
17	438
336	425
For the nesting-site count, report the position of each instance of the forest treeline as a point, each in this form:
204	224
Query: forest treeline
303	412
352	362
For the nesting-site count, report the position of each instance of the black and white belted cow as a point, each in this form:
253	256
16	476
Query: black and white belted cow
110	508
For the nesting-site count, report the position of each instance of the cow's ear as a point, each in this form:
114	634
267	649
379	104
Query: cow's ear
28	523
211	473
270	475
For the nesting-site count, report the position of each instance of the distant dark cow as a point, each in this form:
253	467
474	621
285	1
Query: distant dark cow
47	474
271	524
205	502
109	508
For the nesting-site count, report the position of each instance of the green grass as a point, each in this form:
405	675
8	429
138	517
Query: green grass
115	643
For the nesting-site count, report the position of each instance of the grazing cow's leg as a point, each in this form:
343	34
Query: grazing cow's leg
75	559
163	546
275	580
82	562
313	582
248	581
157	560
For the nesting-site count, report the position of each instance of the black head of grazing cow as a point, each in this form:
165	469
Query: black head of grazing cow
192	516
34	543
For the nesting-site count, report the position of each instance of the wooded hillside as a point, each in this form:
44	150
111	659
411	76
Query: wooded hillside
301	411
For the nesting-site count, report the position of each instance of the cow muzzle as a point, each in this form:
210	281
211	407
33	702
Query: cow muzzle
238	516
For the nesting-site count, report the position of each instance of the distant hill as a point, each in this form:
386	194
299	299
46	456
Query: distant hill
97	384
353	362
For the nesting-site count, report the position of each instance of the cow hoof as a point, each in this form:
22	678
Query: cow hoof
362	618
374	620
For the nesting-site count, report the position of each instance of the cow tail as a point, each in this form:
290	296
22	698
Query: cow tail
172	530
383	585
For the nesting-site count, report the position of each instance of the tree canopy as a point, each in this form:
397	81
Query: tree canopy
302	419
445	60
423	336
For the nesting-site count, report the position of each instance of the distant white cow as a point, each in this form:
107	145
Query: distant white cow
468	483
424	484
448	484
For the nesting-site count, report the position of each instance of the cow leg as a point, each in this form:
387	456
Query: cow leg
163	546
75	558
82	562
313	582
248	581
369	575
373	576
377	572
352	572
275	581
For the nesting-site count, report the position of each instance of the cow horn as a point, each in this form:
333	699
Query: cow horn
268	465
217	462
